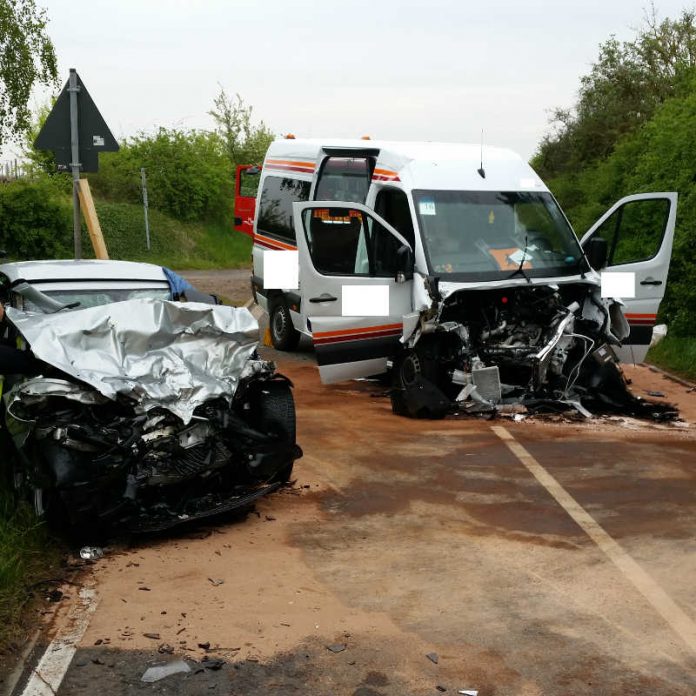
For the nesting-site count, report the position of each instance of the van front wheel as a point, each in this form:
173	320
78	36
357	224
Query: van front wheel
283	334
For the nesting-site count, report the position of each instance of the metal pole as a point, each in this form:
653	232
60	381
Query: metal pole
73	89
143	181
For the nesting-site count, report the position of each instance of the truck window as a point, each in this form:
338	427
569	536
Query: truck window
348	242
344	179
634	231
275	206
392	205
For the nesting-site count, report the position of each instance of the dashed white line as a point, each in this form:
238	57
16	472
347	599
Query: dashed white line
668	609
47	676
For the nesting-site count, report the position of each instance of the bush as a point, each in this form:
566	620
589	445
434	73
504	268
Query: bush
35	220
189	175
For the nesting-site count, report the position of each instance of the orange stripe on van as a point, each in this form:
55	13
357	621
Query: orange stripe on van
385	175
363	330
641	319
271	243
291	165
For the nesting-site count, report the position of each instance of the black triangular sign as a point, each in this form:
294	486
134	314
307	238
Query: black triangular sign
94	134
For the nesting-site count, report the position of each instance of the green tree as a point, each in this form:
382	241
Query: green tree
622	91
245	142
27	58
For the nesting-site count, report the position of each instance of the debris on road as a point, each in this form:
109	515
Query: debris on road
212	663
215	583
54	595
153	636
91	553
204	646
433	657
658	394
468	692
337	647
165	649
154	674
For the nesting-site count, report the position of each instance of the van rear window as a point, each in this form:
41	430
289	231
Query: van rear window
344	179
275	207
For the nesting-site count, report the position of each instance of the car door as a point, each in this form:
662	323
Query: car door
639	231
246	183
351	298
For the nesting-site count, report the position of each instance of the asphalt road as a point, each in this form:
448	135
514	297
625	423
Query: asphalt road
405	538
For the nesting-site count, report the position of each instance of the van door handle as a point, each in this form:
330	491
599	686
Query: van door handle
650	281
323	298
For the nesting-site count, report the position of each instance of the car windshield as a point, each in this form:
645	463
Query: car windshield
94	298
488	235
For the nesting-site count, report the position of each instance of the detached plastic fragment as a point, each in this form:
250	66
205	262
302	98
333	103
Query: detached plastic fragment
468	692
154	674
91	553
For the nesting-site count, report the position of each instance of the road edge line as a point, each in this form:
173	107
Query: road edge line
47	676
663	604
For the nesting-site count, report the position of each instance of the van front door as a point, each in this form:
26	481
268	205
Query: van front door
354	293
639	231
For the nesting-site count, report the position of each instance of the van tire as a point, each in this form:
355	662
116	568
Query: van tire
284	335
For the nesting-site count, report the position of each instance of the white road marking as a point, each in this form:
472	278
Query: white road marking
48	674
663	604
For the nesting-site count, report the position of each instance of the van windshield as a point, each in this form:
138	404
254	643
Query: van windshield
488	235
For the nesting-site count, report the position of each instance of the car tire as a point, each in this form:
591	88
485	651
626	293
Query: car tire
284	335
276	414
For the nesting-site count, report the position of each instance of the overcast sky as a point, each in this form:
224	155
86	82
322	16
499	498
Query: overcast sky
394	69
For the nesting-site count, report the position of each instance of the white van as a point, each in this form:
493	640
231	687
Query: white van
468	271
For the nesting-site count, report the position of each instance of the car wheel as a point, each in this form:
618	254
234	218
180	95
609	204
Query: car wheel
283	334
276	414
49	507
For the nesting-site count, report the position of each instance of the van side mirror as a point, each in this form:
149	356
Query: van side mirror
404	264
597	252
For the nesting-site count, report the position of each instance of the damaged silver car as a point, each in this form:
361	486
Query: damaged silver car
139	414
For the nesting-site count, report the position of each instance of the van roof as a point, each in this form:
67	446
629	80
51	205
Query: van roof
415	165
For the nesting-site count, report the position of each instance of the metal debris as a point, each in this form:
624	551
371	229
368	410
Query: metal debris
91	553
337	647
154	674
656	393
433	657
213	664
153	636
215	583
468	692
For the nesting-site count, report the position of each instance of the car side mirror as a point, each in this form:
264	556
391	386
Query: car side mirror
404	264
597	252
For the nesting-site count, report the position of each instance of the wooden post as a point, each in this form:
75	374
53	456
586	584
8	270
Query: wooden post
93	226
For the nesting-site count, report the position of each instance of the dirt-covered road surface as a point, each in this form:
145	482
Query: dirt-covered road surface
420	557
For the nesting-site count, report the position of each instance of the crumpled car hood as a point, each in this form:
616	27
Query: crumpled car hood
156	352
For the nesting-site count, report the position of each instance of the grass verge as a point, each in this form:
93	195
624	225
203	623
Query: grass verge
28	556
676	354
174	244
